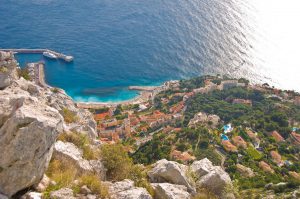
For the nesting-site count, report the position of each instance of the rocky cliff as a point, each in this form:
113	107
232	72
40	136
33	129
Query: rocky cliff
31	117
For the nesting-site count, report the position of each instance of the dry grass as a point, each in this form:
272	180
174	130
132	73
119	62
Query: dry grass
93	182
62	174
204	194
82	142
69	116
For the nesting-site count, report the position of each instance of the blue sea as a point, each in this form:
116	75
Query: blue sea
118	43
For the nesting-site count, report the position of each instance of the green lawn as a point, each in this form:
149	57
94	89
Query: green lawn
254	153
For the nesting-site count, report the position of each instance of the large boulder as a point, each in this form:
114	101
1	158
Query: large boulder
213	178
8	69
28	130
202	167
170	191
126	190
71	155
172	172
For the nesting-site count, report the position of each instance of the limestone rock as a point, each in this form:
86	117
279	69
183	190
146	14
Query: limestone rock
8	69
42	186
85	190
211	177
32	195
134	193
170	191
65	193
202	167
126	190
71	155
28	130
85	124
120	186
3	196
172	172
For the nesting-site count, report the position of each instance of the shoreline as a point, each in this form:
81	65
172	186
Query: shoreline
145	94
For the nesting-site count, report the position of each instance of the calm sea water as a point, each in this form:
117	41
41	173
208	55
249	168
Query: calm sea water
145	42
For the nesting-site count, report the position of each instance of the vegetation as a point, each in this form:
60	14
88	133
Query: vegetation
69	116
82	142
23	72
94	183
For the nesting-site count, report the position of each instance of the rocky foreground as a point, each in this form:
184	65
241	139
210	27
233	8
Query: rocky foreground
31	120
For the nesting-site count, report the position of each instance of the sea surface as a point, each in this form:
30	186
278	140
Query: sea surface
118	43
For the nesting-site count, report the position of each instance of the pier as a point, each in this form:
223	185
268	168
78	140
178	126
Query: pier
64	57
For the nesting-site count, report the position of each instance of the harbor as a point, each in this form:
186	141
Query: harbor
46	52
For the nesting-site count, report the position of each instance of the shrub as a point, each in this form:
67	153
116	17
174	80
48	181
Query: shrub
139	175
82	142
76	138
62	174
69	116
93	182
55	90
24	73
3	69
116	161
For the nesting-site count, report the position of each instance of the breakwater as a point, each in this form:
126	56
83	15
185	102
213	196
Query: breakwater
67	58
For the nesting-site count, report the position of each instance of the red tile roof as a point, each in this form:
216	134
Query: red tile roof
277	136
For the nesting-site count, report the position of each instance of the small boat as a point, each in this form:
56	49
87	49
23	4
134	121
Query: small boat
68	58
49	55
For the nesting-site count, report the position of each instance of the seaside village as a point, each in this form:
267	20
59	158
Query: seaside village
140	120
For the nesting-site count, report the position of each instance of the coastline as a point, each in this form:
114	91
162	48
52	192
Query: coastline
145	94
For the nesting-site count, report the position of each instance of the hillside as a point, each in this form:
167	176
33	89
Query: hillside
207	137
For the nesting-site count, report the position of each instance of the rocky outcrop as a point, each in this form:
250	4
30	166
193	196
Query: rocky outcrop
69	154
213	178
85	123
202	167
172	172
170	191
30	120
28	130
8	69
126	190
32	195
65	193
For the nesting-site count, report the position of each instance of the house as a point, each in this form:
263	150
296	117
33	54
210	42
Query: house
101	116
203	118
109	123
295	175
187	96
239	142
209	87
297	101
242	101
295	137
277	136
276	157
265	167
183	156
228	146
227	84
177	108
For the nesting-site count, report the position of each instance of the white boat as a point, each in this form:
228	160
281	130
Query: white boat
49	55
68	58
